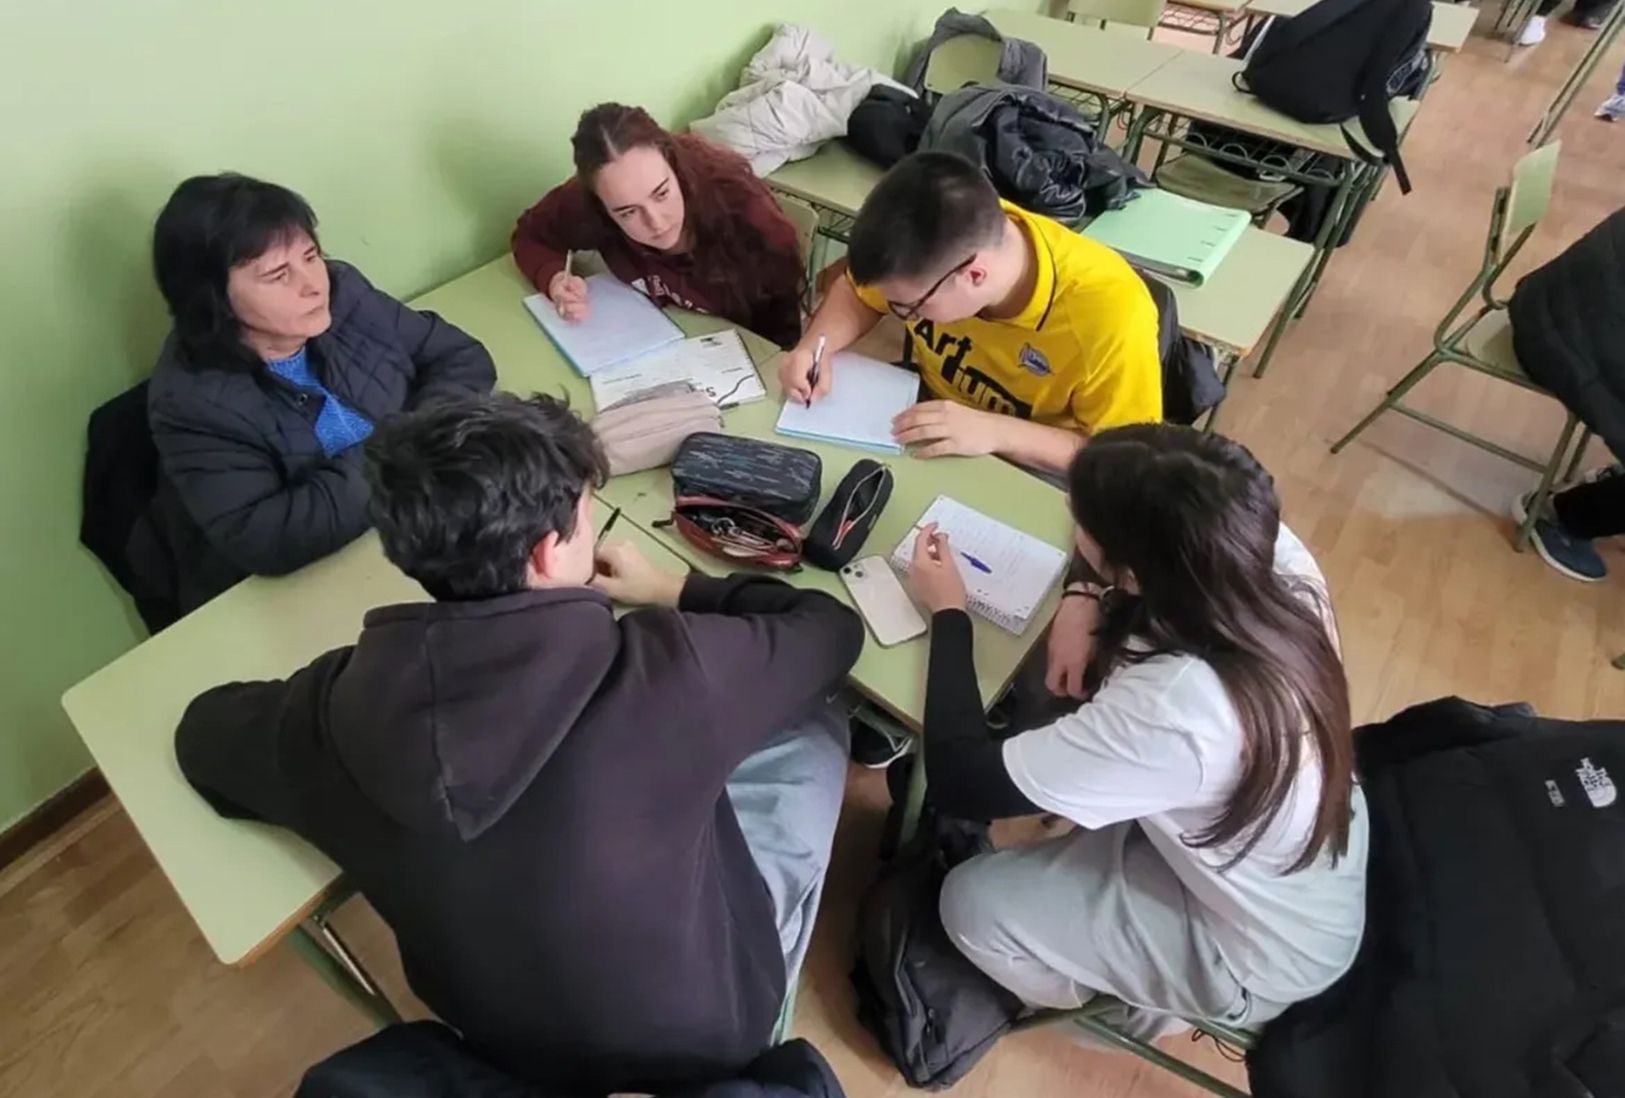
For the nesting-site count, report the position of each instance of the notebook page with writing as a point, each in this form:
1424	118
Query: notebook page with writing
867	396
717	365
621	324
1020	568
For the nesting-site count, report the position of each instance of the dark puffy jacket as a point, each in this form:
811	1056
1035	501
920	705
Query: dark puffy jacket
427	1060
1568	326
1491	965
1038	150
245	488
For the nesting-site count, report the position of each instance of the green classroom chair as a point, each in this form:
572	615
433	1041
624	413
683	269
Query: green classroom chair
1483	342
1133	13
964	59
804	218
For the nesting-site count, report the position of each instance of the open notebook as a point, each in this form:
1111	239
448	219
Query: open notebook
1020	568
1171	235
621	324
717	365
858	411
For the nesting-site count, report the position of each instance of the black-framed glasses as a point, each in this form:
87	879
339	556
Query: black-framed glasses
912	309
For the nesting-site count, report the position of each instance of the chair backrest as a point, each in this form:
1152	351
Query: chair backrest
963	59
805	220
1530	192
1519	207
1136	13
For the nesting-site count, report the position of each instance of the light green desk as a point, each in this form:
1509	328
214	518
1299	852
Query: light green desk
1100	62
246	885
834	181
1212	18
1234	308
1199	87
1448	32
486	304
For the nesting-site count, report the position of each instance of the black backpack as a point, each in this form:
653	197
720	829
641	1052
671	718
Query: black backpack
934	1013
1338	60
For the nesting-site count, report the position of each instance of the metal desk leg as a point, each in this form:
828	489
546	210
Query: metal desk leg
320	946
1228	360
1331	231
1577	78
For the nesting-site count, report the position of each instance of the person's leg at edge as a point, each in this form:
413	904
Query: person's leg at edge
1613	108
787	798
1093	912
1593	509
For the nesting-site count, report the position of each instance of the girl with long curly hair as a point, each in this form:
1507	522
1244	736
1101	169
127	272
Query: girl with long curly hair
683	221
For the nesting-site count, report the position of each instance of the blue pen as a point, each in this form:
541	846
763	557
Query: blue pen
976	564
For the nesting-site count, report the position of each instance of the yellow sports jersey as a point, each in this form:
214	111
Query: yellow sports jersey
1082	354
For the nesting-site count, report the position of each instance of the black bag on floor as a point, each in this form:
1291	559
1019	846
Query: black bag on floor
1340	59
934	1013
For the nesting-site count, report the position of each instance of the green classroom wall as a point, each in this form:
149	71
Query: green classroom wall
418	130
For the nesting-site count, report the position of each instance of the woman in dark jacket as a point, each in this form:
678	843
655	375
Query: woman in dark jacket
279	365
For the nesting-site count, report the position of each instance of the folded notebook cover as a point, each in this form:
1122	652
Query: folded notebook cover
1171	235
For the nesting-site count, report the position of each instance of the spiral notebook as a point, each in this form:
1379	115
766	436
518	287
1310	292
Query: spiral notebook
621	324
1012	573
866	397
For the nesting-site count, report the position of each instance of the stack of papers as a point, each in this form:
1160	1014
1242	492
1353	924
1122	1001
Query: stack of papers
867	396
621	324
627	348
1170	235
1007	573
717	365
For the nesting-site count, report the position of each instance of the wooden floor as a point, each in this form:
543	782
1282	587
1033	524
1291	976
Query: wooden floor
109	990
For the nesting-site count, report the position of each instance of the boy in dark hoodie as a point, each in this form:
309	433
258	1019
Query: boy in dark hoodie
599	842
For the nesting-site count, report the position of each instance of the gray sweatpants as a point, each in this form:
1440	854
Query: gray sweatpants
1093	912
787	797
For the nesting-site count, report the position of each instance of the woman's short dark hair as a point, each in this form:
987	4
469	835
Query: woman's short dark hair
1195	517
928	212
211	224
463	488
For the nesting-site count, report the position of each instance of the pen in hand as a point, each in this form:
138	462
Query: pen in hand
614	516
812	375
976	564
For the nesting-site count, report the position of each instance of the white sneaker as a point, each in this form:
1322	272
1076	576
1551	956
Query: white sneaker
1612	109
1534	31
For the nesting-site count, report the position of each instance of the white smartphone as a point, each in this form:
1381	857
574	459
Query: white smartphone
881	600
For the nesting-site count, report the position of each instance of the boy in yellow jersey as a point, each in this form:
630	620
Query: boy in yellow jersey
1029	336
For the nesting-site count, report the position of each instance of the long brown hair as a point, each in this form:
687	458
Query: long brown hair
732	256
1195	517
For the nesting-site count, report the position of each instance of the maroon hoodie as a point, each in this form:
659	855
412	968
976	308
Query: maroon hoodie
566	219
531	793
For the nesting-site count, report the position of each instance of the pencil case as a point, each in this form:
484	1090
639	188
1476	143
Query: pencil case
838	534
736	533
644	434
780	480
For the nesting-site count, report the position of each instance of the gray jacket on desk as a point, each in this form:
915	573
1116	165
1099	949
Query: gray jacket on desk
1037	150
1020	62
244	487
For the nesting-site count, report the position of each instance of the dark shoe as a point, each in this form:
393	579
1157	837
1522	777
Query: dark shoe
1590	21
1575	557
876	749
